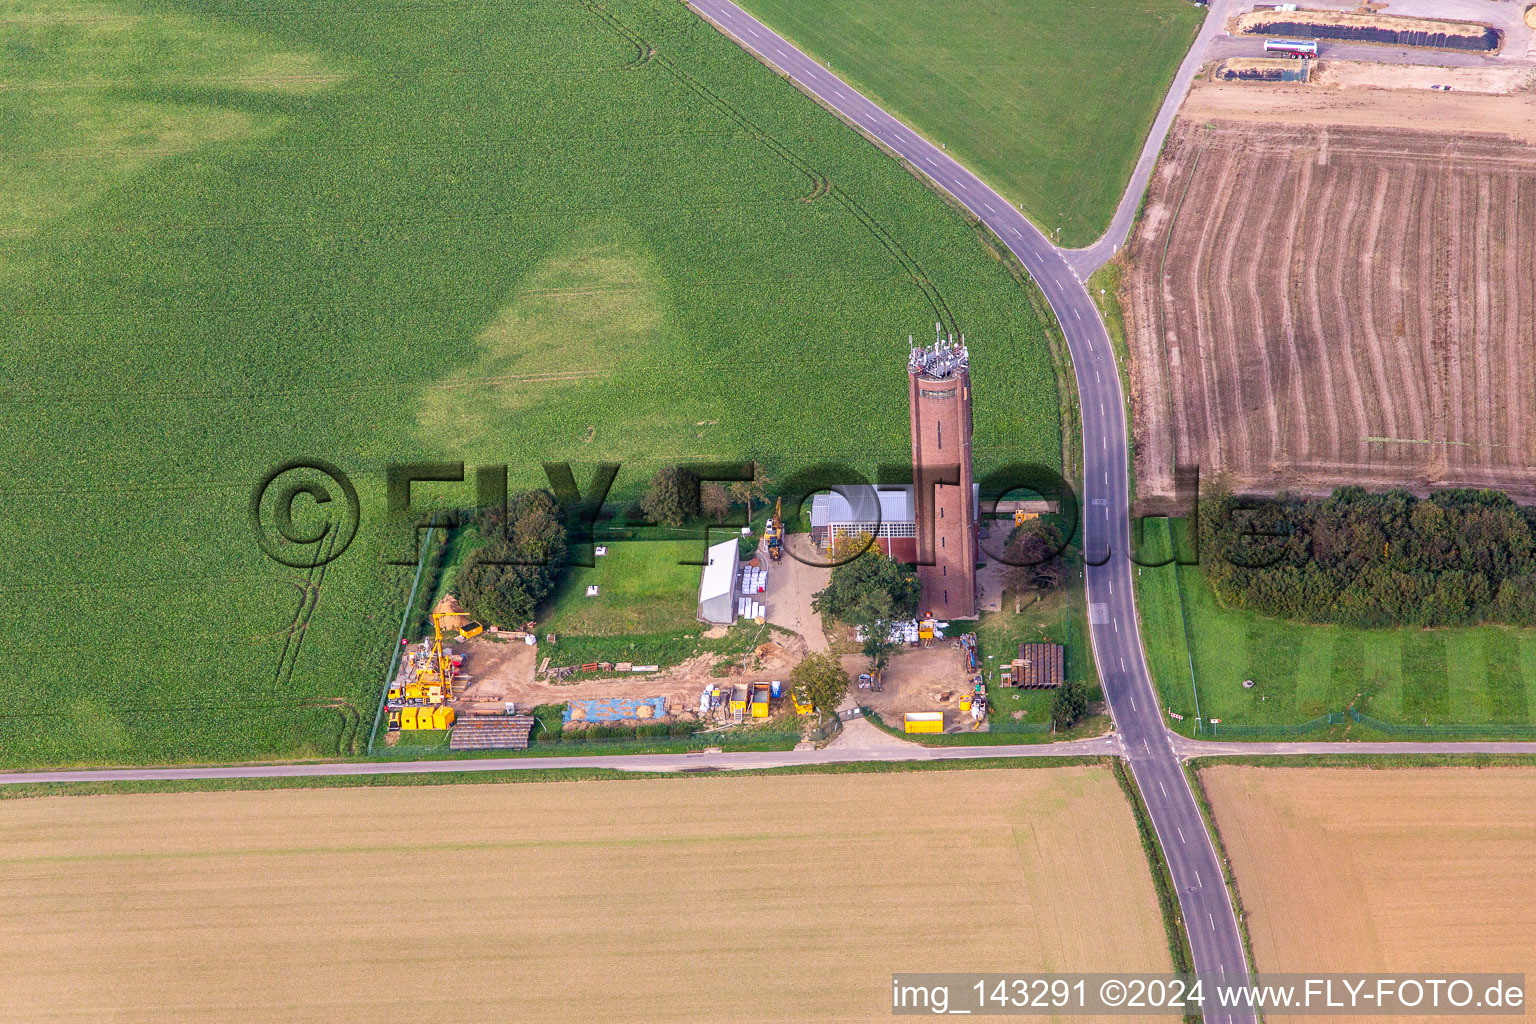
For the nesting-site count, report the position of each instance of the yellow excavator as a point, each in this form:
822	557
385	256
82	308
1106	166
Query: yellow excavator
776	531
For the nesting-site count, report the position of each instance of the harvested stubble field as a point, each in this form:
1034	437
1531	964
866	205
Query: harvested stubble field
1315	306
1404	869
728	899
504	232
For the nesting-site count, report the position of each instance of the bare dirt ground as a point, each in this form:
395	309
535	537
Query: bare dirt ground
915	680
1312	305
511	678
1350	74
786	898
791	585
1417	109
1382	870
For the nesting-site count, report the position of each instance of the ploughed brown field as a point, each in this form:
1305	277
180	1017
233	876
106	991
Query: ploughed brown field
1382	870
789	898
1314	305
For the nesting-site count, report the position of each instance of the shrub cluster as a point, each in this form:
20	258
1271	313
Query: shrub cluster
1456	558
522	560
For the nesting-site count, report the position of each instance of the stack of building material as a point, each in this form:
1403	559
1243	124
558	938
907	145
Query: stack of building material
746	608
491	732
754	580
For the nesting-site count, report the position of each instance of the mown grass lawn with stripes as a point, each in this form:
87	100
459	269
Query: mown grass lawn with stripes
1473	677
376	232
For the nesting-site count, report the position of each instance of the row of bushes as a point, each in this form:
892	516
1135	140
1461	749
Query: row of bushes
1456	558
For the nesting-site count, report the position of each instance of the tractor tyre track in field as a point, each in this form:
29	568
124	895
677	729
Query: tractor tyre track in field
819	184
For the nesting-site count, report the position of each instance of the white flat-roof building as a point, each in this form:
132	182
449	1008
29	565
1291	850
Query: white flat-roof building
887	513
717	583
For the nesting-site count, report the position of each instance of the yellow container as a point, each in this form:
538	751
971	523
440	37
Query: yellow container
408	718
965	703
924	721
442	717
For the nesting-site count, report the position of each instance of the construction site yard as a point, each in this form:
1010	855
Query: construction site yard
1317	296
916	679
502	671
565	901
1382	870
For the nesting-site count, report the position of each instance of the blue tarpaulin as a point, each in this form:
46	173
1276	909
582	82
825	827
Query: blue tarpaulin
614	709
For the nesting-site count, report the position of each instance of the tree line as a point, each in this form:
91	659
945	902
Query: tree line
1455	558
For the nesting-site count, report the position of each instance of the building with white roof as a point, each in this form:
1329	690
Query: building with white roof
717	584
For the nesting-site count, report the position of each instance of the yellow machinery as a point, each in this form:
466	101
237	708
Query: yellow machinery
802	698
776	531
436	669
424	696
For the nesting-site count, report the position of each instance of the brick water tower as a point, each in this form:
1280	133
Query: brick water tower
939	380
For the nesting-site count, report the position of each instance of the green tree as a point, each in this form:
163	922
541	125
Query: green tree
1070	704
525	553
871	592
1036	556
821	678
672	499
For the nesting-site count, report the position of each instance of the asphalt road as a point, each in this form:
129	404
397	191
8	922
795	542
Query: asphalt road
1102	746
1203	898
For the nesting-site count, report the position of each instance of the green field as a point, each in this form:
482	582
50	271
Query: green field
375	232
1454	679
1048	101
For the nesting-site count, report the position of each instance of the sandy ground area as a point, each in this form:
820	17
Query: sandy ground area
1382	870
1420	109
791	585
497	677
917	679
1349	74
989	578
788	898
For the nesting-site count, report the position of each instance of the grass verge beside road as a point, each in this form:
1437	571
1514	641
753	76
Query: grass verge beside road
1406	683
1050	102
